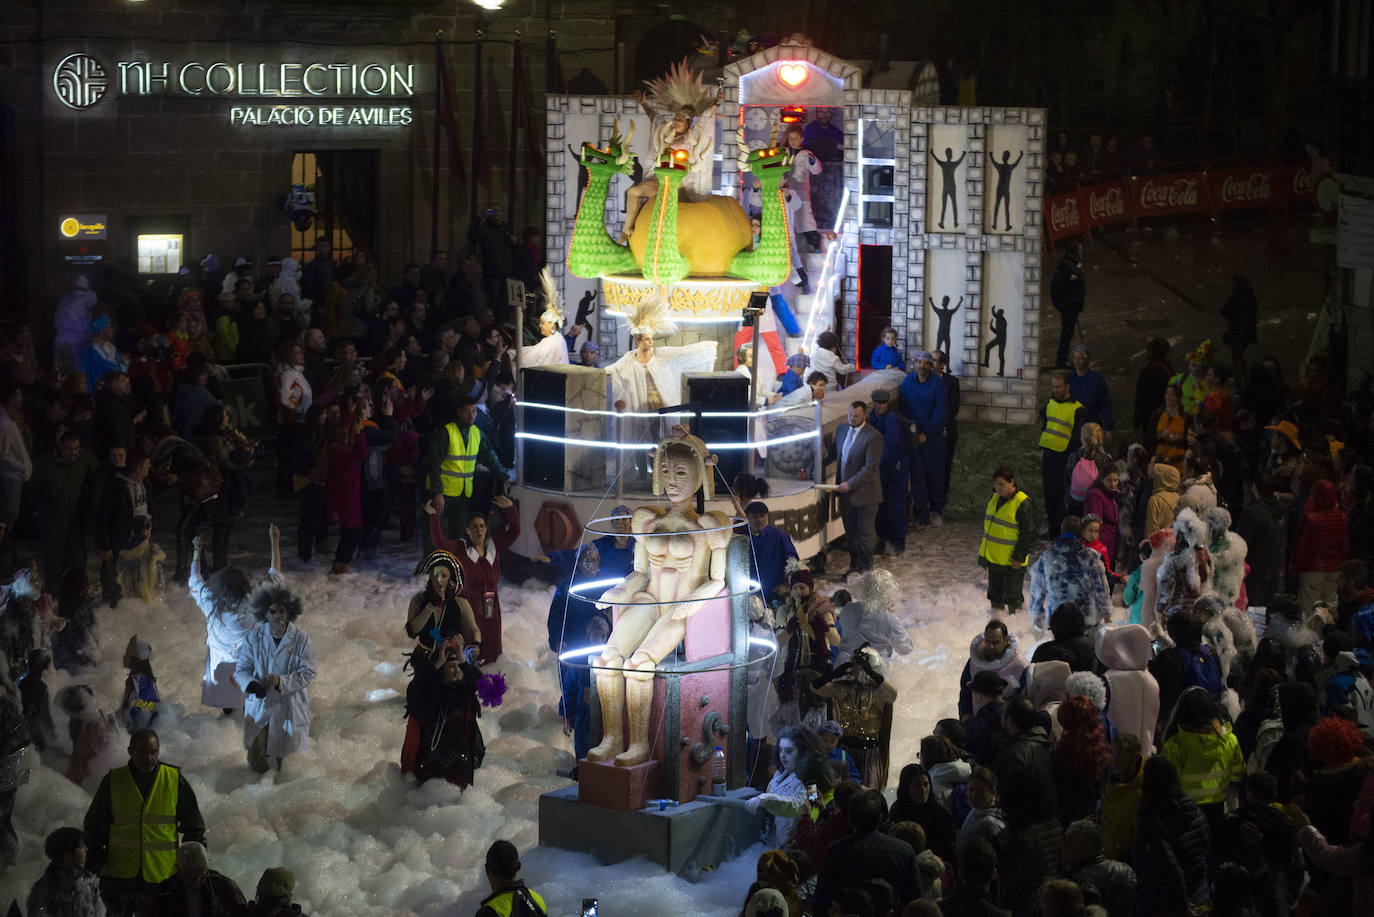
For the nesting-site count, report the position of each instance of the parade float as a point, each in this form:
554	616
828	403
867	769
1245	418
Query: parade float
783	202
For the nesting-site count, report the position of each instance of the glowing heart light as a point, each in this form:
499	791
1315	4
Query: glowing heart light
792	74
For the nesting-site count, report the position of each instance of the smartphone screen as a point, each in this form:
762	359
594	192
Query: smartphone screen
588	907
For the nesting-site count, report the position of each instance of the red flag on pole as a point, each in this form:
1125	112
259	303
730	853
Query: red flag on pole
456	164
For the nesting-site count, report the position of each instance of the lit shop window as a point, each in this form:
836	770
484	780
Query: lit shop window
305	172
159	252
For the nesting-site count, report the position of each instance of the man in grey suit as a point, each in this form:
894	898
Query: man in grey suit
860	448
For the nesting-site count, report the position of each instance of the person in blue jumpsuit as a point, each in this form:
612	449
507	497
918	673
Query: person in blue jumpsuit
771	549
894	472
923	403
617	552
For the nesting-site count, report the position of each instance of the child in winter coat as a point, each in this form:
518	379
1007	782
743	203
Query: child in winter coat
92	731
141	702
1091	536
1323	545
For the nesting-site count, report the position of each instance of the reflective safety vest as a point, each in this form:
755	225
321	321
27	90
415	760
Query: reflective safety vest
1208	764
516	902
1058	425
1000	530
143	832
460	465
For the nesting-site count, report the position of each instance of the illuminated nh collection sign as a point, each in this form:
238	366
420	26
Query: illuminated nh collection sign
80	81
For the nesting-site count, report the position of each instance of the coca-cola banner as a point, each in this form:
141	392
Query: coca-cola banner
1167	195
1299	182
1234	189
1184	192
1064	215
1106	204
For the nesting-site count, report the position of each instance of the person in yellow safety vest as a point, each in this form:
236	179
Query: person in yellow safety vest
1008	533
1061	418
455	451
133	824
1207	754
509	897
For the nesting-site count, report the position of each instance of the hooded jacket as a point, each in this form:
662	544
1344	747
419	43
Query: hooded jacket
1070	572
1163	503
1133	693
1008	667
1323	533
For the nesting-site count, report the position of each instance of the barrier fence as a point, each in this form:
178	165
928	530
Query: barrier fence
1176	194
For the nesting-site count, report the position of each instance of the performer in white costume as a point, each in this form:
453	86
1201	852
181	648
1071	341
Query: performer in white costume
553	349
649	378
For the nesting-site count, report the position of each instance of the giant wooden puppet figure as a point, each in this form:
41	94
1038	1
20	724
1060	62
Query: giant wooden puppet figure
679	564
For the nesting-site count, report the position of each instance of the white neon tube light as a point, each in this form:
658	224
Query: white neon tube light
631	447
627	447
688	319
596	412
579	588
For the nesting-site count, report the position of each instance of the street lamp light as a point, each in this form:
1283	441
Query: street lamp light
489	4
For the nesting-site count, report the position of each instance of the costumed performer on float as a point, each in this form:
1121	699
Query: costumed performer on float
683	115
679	564
649	378
439	611
223	599
552	349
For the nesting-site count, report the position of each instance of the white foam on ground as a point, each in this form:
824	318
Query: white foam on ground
362	839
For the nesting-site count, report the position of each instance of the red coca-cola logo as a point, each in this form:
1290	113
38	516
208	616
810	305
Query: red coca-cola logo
1064	213
1181	192
1252	187
1304	180
1106	205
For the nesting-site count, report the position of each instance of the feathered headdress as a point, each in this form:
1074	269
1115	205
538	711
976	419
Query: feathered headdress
652	316
680	89
679	439
553	311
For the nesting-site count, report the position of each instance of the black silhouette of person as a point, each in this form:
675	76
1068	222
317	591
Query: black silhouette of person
999	340
584	307
947	179
944	315
1002	196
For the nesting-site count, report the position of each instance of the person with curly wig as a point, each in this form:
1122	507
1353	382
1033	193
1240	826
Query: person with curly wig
1338	765
276	664
1079	759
